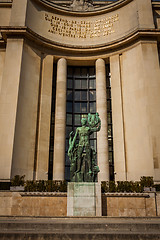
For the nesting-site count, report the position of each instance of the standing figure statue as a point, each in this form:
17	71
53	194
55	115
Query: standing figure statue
82	156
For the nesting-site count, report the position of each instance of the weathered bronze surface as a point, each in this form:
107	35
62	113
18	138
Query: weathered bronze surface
82	156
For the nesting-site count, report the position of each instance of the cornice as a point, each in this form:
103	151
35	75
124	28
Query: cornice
97	11
6	4
26	33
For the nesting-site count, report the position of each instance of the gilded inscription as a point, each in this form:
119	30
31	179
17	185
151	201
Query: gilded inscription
81	29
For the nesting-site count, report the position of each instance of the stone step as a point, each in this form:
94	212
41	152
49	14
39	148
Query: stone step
76	226
79	228
78	236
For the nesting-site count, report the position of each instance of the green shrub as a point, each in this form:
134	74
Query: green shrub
126	186
18	180
112	186
45	186
146	181
104	187
137	187
30	186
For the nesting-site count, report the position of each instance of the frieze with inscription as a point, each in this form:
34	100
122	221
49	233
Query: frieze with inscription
81	29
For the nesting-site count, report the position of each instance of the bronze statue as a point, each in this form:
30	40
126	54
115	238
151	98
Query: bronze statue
82	157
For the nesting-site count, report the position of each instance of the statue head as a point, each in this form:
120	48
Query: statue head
84	121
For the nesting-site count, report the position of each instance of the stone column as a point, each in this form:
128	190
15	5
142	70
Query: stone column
60	121
102	136
44	119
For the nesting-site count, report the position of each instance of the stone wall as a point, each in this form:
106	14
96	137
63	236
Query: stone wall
131	205
55	204
37	204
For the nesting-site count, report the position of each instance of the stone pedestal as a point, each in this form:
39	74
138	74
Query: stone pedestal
84	199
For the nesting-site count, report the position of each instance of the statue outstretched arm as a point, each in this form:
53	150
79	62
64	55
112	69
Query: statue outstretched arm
97	128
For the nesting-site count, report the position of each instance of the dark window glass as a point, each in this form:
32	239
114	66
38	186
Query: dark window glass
92	95
69	95
92	84
70	72
109	120
69	83
93	135
92	107
67	172
84	95
84	107
52	122
77	84
69	107
77	107
69	119
77	71
93	144
77	95
84	84
77	119
68	130
84	72
92	72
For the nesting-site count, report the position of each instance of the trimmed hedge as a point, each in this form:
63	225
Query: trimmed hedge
45	186
127	186
61	186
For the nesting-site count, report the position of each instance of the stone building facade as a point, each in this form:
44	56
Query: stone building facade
58	63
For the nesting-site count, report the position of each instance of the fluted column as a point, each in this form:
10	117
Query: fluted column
102	136
60	121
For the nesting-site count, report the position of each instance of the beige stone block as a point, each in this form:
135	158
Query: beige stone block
123	212
2	58
158	204
27	211
16	211
5	211
145	15
5	194
112	212
5	14
137	212
150	207
112	202
136	115
25	134
123	203
139	202
9	94
18	14
6	202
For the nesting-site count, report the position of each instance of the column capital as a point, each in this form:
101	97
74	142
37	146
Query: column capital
62	60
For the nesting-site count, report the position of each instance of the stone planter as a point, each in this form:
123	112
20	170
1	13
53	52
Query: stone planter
17	188
149	189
